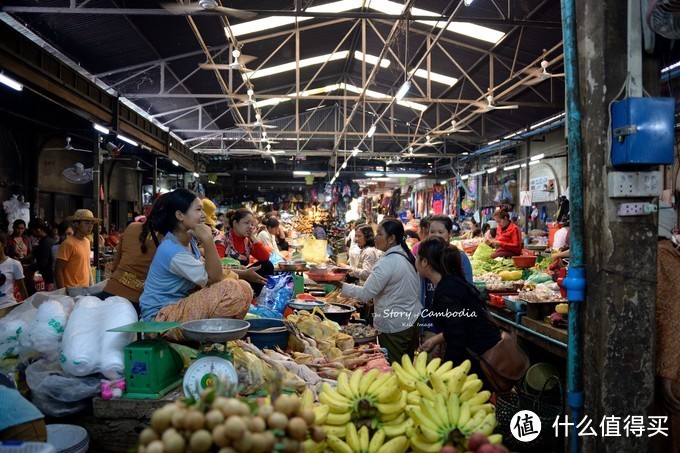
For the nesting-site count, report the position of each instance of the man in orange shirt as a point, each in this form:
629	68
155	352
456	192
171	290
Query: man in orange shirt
73	259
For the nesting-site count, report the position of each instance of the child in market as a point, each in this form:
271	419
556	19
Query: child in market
10	271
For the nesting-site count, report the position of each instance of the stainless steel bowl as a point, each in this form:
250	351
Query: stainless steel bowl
293	266
217	329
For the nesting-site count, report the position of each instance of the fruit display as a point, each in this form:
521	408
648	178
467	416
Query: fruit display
371	400
362	441
216	422
446	404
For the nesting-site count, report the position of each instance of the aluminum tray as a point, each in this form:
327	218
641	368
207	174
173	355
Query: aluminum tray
217	330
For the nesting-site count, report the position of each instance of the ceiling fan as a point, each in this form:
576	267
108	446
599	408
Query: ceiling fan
78	174
429	142
137	168
207	5
262	140
268	150
540	74
239	63
259	122
454	129
69	147
490	105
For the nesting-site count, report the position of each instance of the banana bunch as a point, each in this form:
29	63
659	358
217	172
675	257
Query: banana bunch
410	373
361	442
370	396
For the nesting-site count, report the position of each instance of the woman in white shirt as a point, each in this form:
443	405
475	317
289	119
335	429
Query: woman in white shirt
394	287
363	235
268	235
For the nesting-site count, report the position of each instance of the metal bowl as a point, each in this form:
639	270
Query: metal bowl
305	304
217	329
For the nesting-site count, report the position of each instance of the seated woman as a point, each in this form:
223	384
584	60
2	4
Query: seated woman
394	287
177	269
136	250
240	245
458	310
508	240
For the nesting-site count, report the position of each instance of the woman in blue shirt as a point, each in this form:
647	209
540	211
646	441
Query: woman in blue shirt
177	269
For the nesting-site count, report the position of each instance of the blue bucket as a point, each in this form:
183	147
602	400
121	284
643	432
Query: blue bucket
267	339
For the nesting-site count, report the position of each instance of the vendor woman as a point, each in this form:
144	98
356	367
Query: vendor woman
508	240
177	269
241	245
394	287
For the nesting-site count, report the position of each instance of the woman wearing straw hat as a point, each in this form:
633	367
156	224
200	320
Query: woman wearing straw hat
73	259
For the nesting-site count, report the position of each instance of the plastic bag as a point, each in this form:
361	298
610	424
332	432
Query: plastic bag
259	311
275	258
57	393
315	250
277	292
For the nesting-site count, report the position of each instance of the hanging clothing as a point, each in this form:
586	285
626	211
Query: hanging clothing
438	193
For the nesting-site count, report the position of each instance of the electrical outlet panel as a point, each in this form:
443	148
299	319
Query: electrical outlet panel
635	209
623	184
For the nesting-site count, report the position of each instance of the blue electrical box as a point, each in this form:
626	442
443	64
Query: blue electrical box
643	132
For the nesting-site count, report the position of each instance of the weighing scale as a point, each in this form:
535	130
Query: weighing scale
212	364
152	366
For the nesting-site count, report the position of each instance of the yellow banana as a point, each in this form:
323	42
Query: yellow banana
456	382
337	445
337	431
397	445
464	416
378	384
487	426
309	446
438	385
433	365
339	419
475	420
421	365
425	390
367	380
443	368
407	366
471	390
336	402
470	383
352	437
320	414
377	441
390	418
424	422
430	434
488	407
389	394
307	399
363	438
390	408
354	382
465	365
471	377
453	408
440	407
401	417
413	397
430	413
421	445
495	439
405	380
343	385
480	398
397	430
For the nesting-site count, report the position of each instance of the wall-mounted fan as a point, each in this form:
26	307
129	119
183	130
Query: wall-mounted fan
490	105
78	174
69	147
538	75
209	6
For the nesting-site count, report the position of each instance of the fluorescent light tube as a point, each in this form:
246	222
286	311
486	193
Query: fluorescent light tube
373	173
302	173
371	59
464	177
127	140
333	180
211	181
303	64
403	90
534	162
511	167
444	181
371	131
404	175
175	163
344	165
101	129
196	175
492	170
13	84
435	77
493	142
538	156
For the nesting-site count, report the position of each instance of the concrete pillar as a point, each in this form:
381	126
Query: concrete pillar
620	253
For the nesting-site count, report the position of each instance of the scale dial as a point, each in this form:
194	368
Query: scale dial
202	372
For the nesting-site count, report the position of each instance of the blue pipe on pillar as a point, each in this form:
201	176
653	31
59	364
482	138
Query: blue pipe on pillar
575	281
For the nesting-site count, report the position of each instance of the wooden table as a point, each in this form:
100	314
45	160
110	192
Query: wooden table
552	339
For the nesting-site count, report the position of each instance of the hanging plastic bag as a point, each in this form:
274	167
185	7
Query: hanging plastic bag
277	292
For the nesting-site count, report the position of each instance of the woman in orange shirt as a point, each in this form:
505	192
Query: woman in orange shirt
508	240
